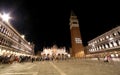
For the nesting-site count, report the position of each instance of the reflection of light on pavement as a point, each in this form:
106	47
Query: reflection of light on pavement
31	66
58	69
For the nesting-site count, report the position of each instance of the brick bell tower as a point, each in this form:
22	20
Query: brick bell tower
76	40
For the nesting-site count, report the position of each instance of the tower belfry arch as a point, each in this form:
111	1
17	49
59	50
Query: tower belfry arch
76	39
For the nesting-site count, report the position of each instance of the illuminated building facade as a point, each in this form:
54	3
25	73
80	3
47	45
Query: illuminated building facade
11	42
76	40
54	51
105	44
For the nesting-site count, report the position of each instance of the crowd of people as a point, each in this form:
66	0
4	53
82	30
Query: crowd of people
54	57
9	59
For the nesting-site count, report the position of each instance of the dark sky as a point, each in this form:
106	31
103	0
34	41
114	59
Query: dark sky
46	23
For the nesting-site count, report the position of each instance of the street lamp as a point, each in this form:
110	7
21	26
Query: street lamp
110	38
29	43
5	17
23	36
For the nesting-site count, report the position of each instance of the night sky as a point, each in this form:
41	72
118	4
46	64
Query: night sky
46	23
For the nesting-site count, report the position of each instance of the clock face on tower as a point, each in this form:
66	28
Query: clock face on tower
78	40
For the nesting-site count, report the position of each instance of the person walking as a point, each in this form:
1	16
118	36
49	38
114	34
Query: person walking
32	59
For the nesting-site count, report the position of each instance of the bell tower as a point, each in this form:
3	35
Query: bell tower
76	40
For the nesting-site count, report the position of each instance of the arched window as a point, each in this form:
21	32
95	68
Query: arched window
114	43
110	45
106	46
119	42
103	46
119	32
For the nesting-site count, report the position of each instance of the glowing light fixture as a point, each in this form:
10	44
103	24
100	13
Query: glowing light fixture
23	36
5	17
29	43
111	38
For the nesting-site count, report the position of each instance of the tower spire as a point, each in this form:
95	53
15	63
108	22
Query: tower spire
73	20
72	13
